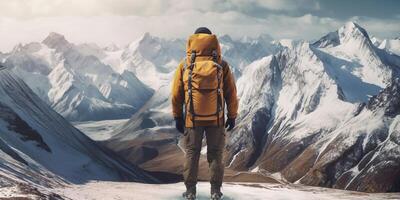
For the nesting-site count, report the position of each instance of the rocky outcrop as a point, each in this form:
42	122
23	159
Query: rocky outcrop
320	127
370	162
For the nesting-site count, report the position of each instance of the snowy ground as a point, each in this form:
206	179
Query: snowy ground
14	192
232	191
99	130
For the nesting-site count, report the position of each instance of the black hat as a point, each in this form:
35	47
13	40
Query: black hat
204	30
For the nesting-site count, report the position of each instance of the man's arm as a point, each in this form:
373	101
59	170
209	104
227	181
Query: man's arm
230	93
177	94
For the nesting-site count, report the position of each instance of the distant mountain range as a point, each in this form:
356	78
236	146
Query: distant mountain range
76	83
86	82
323	113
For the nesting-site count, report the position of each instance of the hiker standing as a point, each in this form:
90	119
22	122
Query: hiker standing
202	86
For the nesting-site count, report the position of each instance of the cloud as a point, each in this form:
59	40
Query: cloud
121	21
27	9
124	29
290	4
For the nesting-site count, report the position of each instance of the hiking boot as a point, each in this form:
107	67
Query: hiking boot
216	196
189	195
216	193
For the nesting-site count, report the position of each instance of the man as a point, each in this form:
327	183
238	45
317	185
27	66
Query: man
203	84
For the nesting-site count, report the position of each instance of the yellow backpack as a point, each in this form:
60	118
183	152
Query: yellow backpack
203	79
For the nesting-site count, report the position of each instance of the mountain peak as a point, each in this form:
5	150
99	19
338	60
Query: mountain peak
265	37
146	37
112	47
146	34
376	41
55	40
17	48
54	36
351	24
225	38
352	29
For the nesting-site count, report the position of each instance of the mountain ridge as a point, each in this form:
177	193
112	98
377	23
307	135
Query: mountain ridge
100	90
41	149
322	113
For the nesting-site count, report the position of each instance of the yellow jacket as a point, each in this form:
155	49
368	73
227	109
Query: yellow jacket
228	85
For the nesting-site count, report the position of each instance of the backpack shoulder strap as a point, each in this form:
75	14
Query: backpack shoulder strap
219	77
215	59
191	106
184	65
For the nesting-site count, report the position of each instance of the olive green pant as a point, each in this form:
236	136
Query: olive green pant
193	138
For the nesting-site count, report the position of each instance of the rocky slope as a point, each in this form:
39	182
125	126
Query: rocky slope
310	122
40	149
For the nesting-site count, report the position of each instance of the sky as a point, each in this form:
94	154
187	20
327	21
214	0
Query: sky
122	21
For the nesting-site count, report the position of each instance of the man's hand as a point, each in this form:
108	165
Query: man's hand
179	124
230	124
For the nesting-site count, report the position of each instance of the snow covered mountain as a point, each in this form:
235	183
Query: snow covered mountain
309	122
240	53
39	148
392	45
73	80
87	82
154	59
321	114
161	57
150	58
